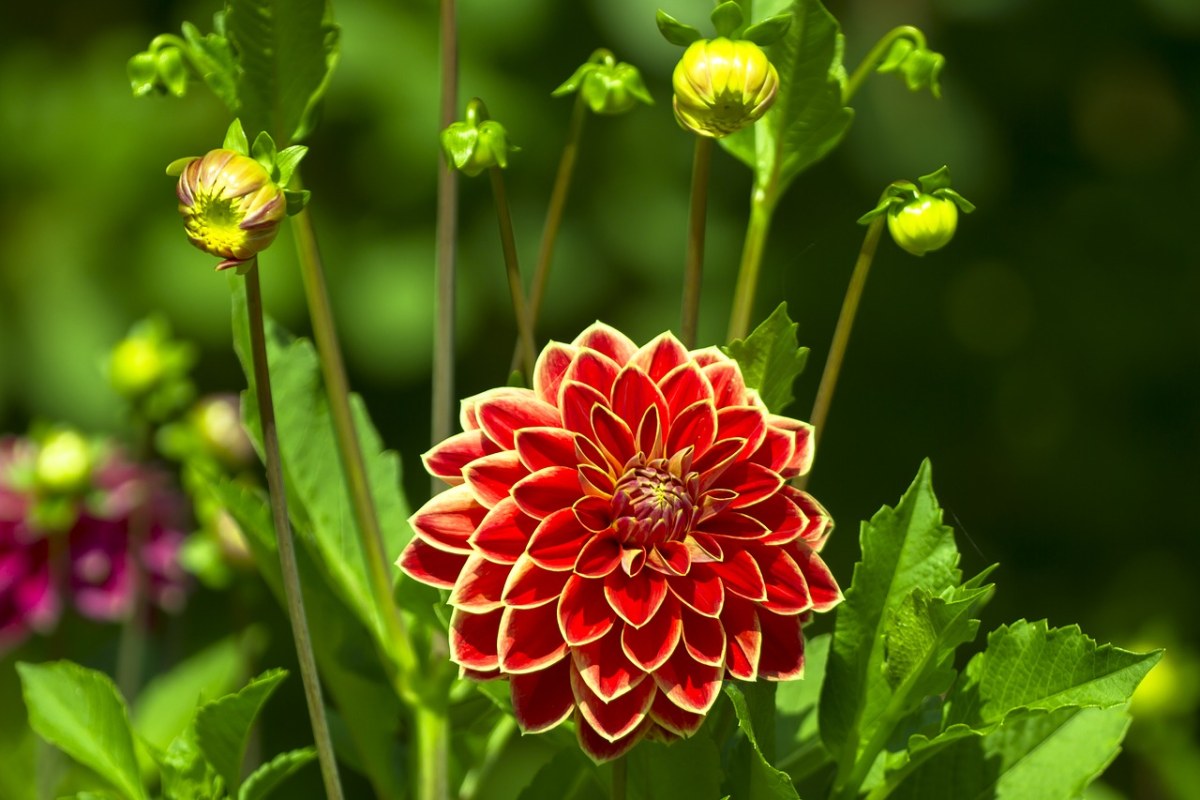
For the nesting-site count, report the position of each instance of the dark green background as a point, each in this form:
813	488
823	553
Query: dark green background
1048	361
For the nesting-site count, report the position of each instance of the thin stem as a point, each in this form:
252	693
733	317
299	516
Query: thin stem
762	206
287	546
876	55
508	244
620	778
841	334
694	263
131	646
433	736
350	452
554	215
442	413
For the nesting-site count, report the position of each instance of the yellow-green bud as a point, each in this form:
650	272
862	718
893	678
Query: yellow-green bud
64	463
721	86
923	224
607	86
136	366
230	206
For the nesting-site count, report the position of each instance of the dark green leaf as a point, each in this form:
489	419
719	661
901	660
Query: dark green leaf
286	51
80	712
567	776
675	31
687	768
770	360
758	780
266	778
223	725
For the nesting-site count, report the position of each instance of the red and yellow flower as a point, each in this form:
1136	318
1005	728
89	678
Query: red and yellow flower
622	537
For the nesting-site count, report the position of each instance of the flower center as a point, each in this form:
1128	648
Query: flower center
215	222
652	505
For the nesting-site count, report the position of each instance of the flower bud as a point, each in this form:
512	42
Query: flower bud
476	143
64	463
606	85
721	86
230	206
136	366
923	224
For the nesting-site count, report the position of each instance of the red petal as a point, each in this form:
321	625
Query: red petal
704	638
818	525
787	589
663	354
491	478
503	534
701	590
781	516
448	519
593	513
633	393
542	700
479	585
546	491
753	483
821	584
674	718
716	459
671	558
583	613
447	460
607	340
599	749
728	387
802	446
539	448
782	648
618	718
649	433
613	435
473	639
742	422
652	644
687	683
556	542
578	400
684	386
596	482
529	639
549	369
695	426
635	599
733	525
599	557
776	450
427	564
741	575
743	651
595	369
704	356
529	585
503	413
605	668
704	548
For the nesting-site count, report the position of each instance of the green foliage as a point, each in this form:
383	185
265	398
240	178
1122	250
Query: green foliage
753	777
687	768
569	775
770	360
266	778
674	31
917	64
223	726
797	743
80	711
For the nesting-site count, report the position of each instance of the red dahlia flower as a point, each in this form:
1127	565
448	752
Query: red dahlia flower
622	537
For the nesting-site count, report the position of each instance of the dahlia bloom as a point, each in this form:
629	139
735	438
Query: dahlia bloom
28	600
622	537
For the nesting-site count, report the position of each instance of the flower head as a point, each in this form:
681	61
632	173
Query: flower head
230	206
722	85
622	537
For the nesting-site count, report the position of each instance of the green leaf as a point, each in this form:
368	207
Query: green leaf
286	51
760	781
687	768
675	31
903	549
213	57
223	726
808	119
567	776
266	778
727	18
769	31
80	712
770	360
186	775
18	745
796	725
263	151
235	138
287	161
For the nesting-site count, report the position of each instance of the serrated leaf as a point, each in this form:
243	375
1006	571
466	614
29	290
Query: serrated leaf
770	360
186	775
223	725
286	51
808	119
903	549
267	778
80	712
759	780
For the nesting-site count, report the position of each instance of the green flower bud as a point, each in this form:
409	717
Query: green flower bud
606	85
476	143
721	86
64	463
135	366
230	206
923	224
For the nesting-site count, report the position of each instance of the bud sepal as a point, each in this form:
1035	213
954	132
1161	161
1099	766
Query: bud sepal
476	143
922	219
607	86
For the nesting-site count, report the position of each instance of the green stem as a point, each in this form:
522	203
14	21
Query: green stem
554	215
508	244
841	334
131	646
876	55
694	262
442	412
762	207
620	778
350	451
287	546
433	736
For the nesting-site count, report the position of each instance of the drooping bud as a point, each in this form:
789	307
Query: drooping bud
477	143
923	219
608	86
722	85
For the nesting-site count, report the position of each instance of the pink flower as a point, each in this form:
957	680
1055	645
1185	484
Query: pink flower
29	601
622	537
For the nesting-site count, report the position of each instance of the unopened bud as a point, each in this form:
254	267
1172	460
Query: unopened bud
64	463
608	86
924	224
477	143
721	86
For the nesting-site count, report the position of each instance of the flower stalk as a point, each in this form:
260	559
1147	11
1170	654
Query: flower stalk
762	207
512	268
694	262
287	546
878	54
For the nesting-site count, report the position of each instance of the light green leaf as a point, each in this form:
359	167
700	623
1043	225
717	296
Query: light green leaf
903	549
18	745
223	725
760	781
80	712
687	768
770	360
186	775
796	724
286	51
213	57
674	31
266	778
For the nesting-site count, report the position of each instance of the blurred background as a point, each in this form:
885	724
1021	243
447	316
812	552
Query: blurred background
1048	361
